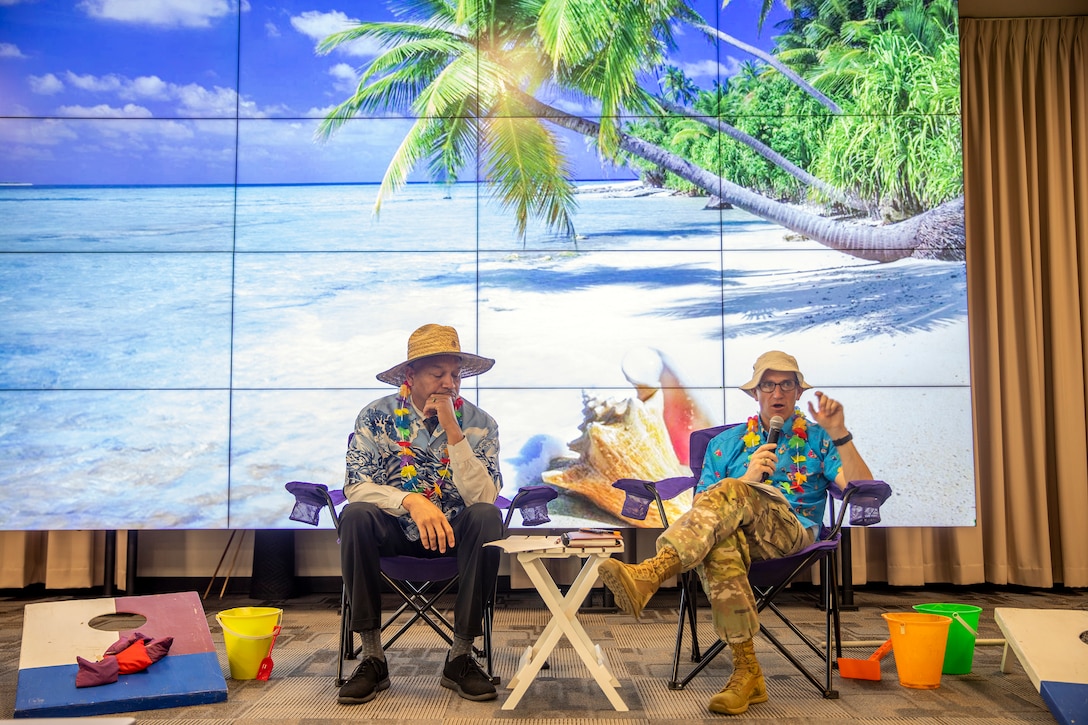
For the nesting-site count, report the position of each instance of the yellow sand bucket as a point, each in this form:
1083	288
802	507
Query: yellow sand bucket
247	634
918	643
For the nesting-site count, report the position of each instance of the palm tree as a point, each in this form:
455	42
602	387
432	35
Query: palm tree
468	67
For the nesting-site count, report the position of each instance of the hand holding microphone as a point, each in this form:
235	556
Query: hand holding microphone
773	434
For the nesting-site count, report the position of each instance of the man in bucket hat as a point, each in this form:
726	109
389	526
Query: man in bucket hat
422	479
754	500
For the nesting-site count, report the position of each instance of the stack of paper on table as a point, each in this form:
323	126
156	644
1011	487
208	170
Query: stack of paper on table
596	539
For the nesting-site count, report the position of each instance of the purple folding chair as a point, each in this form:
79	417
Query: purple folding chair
768	577
419	582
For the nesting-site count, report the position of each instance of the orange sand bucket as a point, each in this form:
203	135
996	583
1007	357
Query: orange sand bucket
918	642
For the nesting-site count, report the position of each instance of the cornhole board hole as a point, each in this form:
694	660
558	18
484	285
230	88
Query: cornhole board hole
1052	646
54	633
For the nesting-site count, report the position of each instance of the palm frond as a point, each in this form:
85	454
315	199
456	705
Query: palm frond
414	147
455	82
572	30
527	171
387	34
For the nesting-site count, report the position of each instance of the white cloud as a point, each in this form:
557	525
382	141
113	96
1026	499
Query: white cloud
104	110
319	112
45	85
345	79
317	26
160	13
94	84
731	67
49	132
10	50
197	100
704	70
271	30
147	87
190	100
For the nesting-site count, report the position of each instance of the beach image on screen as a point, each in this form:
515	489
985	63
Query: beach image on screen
221	221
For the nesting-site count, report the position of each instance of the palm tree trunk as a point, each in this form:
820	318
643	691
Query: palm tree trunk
935	234
846	199
777	65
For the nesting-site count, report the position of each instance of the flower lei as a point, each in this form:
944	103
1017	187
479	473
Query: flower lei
798	474
408	472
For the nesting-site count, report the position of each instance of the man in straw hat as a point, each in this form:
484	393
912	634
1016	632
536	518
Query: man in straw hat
754	500
422	479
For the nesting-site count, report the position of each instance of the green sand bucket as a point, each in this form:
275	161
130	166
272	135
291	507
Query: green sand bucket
960	651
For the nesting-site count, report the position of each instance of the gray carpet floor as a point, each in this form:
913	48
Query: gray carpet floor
302	689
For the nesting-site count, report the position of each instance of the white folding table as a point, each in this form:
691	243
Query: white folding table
531	552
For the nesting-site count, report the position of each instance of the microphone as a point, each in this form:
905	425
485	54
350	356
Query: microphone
773	434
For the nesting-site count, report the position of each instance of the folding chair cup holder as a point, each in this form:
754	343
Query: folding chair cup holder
768	578
419	582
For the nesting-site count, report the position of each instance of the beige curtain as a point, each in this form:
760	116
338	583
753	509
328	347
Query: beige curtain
1025	115
1025	112
1026	160
57	559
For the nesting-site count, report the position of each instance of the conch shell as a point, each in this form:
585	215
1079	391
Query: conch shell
622	439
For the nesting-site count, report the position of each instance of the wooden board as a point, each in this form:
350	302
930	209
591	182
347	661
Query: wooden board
1052	647
55	633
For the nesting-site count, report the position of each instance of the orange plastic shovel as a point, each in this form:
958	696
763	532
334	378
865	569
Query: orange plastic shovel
265	668
856	669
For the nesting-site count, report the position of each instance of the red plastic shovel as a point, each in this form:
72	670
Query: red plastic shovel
265	668
856	669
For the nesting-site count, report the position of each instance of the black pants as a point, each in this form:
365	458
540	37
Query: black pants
368	533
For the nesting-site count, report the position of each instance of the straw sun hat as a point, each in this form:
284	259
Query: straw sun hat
778	361
431	340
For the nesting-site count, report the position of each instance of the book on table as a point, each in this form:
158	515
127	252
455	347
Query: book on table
591	538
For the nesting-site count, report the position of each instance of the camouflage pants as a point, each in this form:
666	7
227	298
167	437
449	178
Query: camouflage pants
727	527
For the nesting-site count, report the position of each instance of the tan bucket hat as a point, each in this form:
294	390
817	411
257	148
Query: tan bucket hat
431	340
779	362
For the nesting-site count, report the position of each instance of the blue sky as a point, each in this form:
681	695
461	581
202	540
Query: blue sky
207	91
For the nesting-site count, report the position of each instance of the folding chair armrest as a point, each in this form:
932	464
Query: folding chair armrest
310	498
532	501
863	499
639	494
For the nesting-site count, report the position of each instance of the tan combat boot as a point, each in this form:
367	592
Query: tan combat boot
745	687
634	584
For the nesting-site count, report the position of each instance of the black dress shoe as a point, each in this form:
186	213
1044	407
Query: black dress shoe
369	678
464	676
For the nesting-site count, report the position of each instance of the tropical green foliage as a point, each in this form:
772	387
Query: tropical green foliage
893	67
900	142
768	108
869	102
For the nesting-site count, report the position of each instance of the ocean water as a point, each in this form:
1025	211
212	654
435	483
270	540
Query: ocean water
170	357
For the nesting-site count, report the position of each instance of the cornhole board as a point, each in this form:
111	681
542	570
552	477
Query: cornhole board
1052	646
54	633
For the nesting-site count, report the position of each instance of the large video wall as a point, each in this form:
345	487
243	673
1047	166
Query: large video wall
198	291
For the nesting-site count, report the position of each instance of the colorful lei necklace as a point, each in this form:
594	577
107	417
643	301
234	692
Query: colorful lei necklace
408	472
798	474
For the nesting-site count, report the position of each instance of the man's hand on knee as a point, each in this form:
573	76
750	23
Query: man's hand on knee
435	532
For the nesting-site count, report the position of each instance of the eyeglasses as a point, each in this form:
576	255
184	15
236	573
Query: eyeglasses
768	386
